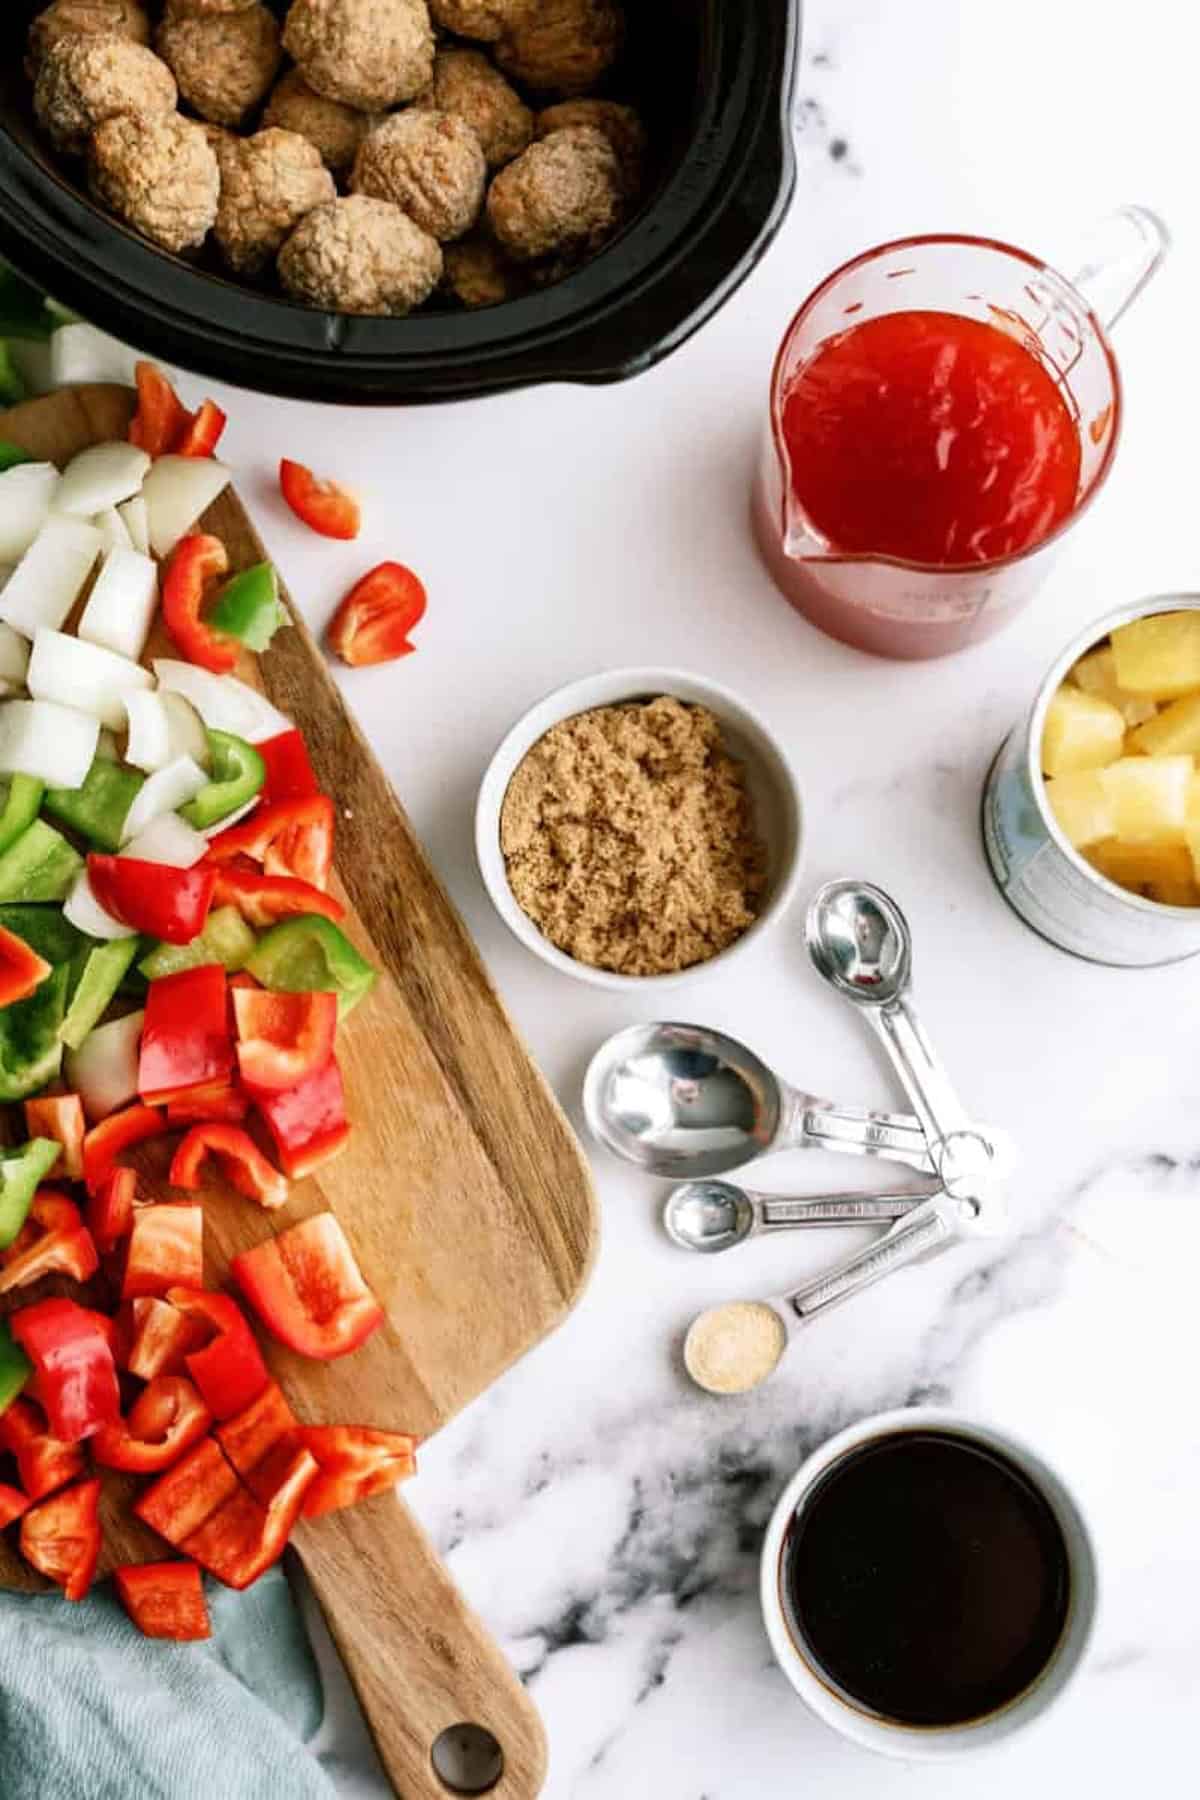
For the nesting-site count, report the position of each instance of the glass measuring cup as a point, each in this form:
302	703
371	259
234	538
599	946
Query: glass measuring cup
911	610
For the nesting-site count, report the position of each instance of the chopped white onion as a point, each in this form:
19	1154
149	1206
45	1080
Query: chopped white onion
133	516
231	818
84	676
114	533
14	655
176	491
186	728
54	743
163	792
85	912
148	745
80	353
102	475
169	840
26	496
104	1069
47	581
223	702
121	606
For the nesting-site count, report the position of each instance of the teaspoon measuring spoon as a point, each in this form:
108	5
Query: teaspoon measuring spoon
716	1215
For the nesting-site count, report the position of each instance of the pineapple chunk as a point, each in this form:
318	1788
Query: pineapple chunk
1162	872
1149	797
1081	732
1159	655
1192	827
1082	807
1096	673
1175	731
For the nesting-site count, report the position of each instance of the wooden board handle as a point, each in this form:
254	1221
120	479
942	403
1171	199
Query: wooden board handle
420	1661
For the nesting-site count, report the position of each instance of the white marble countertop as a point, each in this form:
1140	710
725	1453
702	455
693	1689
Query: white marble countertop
603	1517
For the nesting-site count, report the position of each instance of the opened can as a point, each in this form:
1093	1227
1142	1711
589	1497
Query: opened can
1047	882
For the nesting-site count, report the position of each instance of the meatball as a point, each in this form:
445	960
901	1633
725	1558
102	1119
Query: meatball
268	183
366	53
485	20
478	273
430	165
465	84
620	124
84	18
84	80
560	197
200	9
563	46
224	62
336	130
360	255
158	172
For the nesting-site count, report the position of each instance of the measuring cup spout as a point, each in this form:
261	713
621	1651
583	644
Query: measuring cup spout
1116	259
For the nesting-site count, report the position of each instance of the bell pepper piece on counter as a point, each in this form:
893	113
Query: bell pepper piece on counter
323	506
105	968
262	900
225	939
165	1600
166	1250
120	1131
160	1338
22	970
248	607
97	811
110	1209
288	837
257	1429
181	1500
310	955
166	903
21	1172
373	622
354	1462
72	1357
242	1539
165	1420
31	1049
12	1504
289	773
195	562
186	1043
44	1462
222	1106
15	1367
307	1288
20	803
238	774
239	1158
283	1039
161	417
60	1244
202	432
308	1123
229	1371
59	1116
60	1537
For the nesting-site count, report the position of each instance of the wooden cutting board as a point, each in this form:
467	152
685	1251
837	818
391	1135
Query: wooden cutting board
463	1193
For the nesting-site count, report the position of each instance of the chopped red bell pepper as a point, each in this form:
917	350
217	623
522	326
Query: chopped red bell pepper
160	1337
171	904
323	506
166	1419
239	1158
61	1537
203	431
229	1371
53	1241
308	1124
355	1462
241	1540
12	1504
265	899
185	1036
72	1357
161	417
288	837
166	1250
306	1286
283	1039
165	1600
59	1116
22	970
282	1478
262	1425
289	771
110	1209
196	561
226	1105
373	622
120	1131
44	1462
180	1501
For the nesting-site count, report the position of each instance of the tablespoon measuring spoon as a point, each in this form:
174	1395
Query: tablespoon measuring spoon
716	1215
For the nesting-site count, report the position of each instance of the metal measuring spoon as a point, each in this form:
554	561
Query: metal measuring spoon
682	1100
715	1215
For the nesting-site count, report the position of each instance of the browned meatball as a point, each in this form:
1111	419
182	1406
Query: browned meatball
336	130
563	46
224	63
200	9
268	183
465	84
371	54
560	197
158	172
360	255
84	80
484	20
427	163
478	273
620	124
84	18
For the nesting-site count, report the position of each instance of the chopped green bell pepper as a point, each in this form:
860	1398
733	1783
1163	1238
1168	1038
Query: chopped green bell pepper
21	1173
21	803
12	386
46	930
103	972
238	773
15	1367
248	608
226	939
11	455
98	809
31	1050
308	955
41	865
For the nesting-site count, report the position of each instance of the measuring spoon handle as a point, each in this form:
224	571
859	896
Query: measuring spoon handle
925	1080
813	1124
834	1209
925	1228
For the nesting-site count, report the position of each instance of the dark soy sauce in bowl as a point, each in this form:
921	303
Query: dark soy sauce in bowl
927	1579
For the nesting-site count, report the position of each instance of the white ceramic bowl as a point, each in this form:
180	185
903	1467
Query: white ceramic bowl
769	777
929	1743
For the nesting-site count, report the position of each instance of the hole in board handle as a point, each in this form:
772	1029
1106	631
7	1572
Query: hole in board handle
467	1759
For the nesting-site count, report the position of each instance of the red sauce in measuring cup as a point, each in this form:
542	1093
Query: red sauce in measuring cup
931	437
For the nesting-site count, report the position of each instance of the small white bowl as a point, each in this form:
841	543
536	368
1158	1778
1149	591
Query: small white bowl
769	777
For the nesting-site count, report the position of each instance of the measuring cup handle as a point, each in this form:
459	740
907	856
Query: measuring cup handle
1116	258
926	1228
